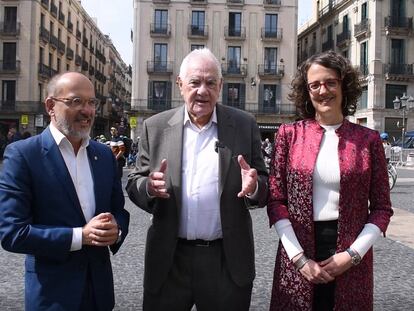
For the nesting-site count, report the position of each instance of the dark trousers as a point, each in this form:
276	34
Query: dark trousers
199	276
326	233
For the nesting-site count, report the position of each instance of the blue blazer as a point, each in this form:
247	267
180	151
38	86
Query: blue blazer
40	208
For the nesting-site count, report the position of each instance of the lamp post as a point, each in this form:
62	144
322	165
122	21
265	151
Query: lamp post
405	103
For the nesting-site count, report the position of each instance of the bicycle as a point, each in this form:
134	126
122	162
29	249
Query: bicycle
392	175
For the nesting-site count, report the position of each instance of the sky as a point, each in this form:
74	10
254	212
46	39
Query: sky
115	19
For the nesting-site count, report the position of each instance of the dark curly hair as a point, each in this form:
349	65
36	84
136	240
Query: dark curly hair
351	87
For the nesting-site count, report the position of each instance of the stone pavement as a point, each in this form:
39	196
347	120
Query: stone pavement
393	261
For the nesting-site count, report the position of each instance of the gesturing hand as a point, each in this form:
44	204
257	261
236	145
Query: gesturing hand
249	178
156	182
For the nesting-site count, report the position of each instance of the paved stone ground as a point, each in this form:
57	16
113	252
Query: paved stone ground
394	278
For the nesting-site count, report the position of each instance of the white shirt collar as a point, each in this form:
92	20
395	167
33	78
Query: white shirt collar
187	119
58	136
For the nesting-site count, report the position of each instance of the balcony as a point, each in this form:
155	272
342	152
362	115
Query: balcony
160	67
343	39
100	76
78	34
160	30
271	34
197	31
198	2
61	18
362	30
235	33
45	4
363	70
271	71
233	69
274	108
8	105
398	26
78	60
44	71
53	41
85	42
69	53
161	1
61	47
236	3
328	45
85	65
91	70
44	34
9	67
70	26
398	72
159	105
53	9
272	3
9	29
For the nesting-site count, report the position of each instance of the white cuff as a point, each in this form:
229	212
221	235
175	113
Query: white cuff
253	196
288	238
369	234
76	239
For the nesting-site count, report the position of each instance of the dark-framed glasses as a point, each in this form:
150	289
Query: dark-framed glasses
330	84
76	102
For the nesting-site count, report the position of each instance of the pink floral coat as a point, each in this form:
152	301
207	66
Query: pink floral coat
364	196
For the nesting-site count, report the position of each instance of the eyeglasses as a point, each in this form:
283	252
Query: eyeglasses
76	102
330	84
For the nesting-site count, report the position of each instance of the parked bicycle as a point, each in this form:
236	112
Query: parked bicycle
392	175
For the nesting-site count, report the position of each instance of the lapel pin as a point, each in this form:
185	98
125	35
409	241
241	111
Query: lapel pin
96	158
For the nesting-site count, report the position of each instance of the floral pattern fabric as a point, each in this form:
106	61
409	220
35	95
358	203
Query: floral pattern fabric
364	197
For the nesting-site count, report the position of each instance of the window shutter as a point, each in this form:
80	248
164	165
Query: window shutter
225	93
261	88
242	98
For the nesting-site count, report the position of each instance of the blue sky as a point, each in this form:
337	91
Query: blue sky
115	19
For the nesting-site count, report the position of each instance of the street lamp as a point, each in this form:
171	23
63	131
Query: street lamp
405	103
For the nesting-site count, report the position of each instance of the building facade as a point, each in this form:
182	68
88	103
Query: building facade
39	39
255	41
378	38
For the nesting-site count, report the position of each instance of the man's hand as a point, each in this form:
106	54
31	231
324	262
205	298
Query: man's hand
249	178
101	230
156	182
337	264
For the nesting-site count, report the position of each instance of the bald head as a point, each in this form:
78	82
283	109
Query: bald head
72	80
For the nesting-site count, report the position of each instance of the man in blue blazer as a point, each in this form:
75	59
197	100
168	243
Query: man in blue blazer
62	204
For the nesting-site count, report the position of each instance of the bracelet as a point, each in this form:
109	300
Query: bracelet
301	262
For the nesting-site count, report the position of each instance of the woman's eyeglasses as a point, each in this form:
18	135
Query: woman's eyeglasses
330	84
76	102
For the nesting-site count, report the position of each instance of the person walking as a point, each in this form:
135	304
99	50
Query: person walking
62	205
329	195
198	171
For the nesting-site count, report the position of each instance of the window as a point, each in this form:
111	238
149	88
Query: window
161	21
269	98
50	61
270	57
364	58
397	51
234	24
9	55
397	9
159	95
41	56
391	91
234	57
196	46
10	18
42	20
363	101
329	33
160	56
8	96
271	25
197	23
364	11
345	24
234	94
58	65
51	28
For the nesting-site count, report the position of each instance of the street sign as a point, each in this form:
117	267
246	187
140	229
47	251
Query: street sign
133	122
24	119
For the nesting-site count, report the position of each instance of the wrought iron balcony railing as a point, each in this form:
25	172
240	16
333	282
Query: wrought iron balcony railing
272	34
197	31
69	53
44	34
10	29
160	67
271	70
235	33
234	69
9	66
158	29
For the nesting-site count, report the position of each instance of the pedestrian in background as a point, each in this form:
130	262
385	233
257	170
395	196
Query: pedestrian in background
198	171
387	146
62	204
329	194
118	149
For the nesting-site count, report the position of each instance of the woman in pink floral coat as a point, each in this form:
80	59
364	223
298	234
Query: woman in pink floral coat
329	194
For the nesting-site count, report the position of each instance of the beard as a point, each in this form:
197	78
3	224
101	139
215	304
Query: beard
68	130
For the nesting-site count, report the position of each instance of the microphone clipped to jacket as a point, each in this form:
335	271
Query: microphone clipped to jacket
218	145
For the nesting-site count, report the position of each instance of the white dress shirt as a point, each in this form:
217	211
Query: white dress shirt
80	172
200	212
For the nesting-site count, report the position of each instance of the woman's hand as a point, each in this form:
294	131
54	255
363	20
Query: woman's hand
314	273
336	264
